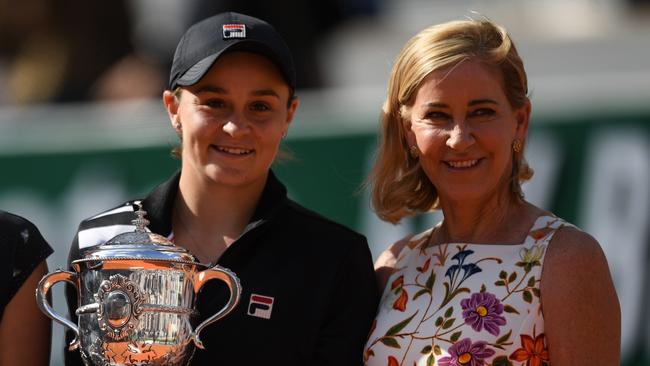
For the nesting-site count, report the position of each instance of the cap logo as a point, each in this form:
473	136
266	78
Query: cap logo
231	31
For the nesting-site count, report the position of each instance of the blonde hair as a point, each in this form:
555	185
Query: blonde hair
400	187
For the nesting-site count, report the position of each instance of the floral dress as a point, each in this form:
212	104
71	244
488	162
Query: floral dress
464	304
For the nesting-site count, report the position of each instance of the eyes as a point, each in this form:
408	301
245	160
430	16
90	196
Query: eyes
483	112
214	103
440	116
217	104
260	107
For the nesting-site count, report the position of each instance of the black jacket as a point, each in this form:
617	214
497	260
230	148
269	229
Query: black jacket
318	273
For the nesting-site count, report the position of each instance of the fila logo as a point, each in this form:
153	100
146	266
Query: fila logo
233	31
260	306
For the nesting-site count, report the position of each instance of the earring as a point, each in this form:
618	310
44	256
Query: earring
178	126
414	152
284	135
516	146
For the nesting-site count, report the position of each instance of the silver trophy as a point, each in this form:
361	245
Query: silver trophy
137	300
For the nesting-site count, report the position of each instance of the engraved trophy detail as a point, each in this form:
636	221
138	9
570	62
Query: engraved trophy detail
137	297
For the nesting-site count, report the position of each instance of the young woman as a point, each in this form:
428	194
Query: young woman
498	281
309	290
24	330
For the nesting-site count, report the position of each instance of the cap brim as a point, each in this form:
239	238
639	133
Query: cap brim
196	72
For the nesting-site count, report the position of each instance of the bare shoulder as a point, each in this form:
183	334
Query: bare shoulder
385	263
571	247
579	302
388	258
574	264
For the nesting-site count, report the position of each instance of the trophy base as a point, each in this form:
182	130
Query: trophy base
142	354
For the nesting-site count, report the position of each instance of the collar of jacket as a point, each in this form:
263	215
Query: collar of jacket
160	203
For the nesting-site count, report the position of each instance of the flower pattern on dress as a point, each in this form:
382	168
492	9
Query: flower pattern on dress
483	311
392	361
467	353
464	304
533	351
530	257
402	296
402	300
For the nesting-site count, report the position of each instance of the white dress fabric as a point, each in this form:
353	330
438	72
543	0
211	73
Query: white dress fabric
459	304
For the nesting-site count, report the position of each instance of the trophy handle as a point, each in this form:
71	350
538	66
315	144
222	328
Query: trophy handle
227	276
43	289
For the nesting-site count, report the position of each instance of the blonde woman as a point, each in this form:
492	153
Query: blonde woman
498	281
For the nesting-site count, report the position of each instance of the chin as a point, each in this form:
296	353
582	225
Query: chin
232	177
466	193
219	175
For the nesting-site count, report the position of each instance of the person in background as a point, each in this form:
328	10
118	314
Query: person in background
25	332
309	288
498	281
68	51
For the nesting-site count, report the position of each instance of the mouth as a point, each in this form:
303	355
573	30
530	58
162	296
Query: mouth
463	164
234	151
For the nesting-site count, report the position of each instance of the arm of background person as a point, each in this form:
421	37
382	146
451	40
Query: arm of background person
582	316
25	332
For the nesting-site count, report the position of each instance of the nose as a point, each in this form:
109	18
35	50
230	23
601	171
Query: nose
235	126
460	137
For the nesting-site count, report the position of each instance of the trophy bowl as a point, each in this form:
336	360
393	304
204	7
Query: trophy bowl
136	300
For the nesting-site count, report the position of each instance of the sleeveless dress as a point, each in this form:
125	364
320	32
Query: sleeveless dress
459	304
23	248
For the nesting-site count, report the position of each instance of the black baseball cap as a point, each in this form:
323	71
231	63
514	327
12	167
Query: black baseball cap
208	39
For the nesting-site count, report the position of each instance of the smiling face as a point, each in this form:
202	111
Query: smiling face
464	127
232	120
